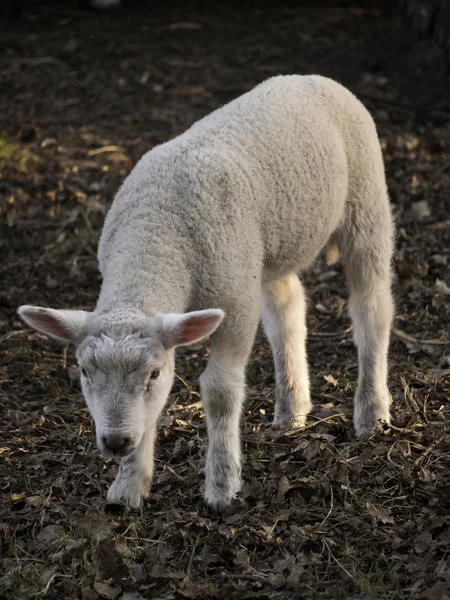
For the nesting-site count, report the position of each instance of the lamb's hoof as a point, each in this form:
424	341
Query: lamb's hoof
219	505
367	423
124	494
220	497
365	429
371	411
297	422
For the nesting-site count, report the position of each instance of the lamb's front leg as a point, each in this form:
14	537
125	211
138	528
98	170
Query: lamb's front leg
135	474
222	388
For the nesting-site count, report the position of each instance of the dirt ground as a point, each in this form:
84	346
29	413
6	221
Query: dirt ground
83	95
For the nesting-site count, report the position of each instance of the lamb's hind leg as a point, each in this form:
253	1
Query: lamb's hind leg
284	319
367	266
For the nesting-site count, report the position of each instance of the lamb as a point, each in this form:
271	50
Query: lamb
208	232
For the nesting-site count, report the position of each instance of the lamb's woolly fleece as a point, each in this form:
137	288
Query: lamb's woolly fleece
249	193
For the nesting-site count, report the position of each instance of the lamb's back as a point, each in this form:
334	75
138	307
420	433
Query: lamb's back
266	175
284	151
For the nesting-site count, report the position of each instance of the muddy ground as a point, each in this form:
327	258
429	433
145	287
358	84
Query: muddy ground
322	514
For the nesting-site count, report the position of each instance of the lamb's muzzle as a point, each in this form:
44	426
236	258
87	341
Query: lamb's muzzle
117	444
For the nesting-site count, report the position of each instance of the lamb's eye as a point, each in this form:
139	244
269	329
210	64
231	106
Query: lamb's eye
83	372
154	375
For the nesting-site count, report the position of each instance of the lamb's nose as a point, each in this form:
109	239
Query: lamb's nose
116	442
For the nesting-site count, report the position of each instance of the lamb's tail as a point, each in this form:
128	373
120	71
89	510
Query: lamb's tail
332	252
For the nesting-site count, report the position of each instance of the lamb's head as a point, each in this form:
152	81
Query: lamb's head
126	364
125	378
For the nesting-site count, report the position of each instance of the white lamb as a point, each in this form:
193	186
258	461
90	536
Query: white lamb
225	216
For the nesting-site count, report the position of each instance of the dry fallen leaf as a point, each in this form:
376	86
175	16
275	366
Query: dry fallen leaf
49	535
423	542
193	590
94	523
132	596
105	590
283	487
379	514
17	497
442	288
440	591
420	210
35	501
331	379
122	547
185	25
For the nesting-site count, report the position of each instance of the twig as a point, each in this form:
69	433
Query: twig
250	576
389	455
190	406
440	225
169	468
187	385
146	540
331	507
32	62
430	449
329	335
105	149
301	429
409	397
323	396
191	558
408	338
335	559
400	429
11	334
49	583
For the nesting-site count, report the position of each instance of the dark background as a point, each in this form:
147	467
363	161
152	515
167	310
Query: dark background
82	96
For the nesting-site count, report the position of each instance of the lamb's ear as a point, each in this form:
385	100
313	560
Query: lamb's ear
182	330
64	325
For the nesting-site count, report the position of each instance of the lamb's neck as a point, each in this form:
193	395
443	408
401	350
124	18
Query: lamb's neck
135	285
